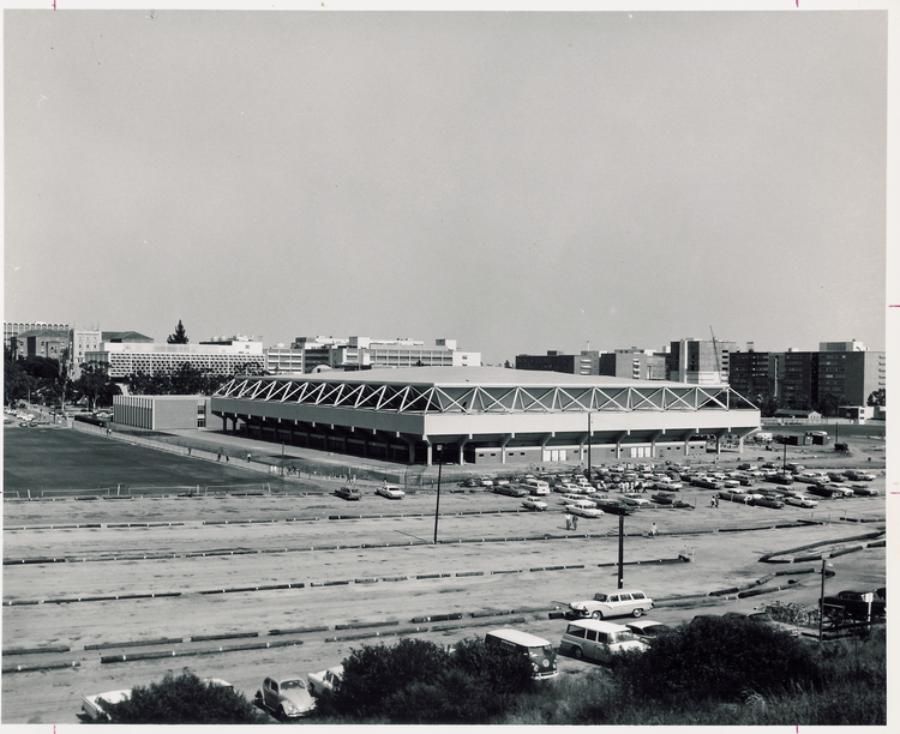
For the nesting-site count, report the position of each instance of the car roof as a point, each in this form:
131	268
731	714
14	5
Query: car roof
518	637
598	625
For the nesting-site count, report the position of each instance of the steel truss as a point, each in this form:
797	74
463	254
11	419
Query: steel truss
474	399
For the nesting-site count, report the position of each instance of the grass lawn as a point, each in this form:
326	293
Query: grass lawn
48	458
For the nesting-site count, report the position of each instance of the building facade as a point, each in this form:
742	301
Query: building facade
483	414
634	363
362	352
45	343
585	363
15	328
161	412
219	357
699	362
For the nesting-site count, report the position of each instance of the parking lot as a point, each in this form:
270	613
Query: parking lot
355	564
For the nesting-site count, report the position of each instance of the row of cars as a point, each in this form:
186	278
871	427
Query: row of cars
285	698
388	491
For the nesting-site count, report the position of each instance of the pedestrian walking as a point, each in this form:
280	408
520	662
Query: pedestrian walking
574	522
249	456
653	530
219	455
189	450
568	521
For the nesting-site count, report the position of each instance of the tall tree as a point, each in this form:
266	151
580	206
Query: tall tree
95	385
180	335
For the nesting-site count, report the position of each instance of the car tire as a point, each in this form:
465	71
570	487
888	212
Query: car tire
280	713
637	612
577	653
597	615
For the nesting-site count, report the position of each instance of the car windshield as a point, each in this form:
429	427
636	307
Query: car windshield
540	652
297	683
600	597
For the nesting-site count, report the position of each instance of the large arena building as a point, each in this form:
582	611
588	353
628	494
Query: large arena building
482	414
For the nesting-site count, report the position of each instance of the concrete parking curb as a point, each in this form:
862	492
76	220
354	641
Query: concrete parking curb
133	643
35	650
38	668
773	557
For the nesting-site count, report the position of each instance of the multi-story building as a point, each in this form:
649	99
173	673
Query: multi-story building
82	341
850	376
220	356
44	343
756	375
585	363
699	362
15	328
805	380
851	346
362	352
637	364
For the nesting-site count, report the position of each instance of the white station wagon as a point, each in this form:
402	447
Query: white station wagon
614	604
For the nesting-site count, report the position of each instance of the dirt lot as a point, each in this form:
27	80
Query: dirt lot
352	585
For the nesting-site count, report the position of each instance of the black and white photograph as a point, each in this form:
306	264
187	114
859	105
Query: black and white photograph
503	365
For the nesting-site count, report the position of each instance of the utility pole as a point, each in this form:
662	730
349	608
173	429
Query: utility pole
784	457
587	474
621	550
282	458
437	504
822	602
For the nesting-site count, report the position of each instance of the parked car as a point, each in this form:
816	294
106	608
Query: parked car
392	492
485	481
614	505
592	639
863	491
648	630
781	478
325	680
853	606
286	698
511	491
583	508
534	504
801	502
859	476
638	500
613	604
95	708
775	504
347	493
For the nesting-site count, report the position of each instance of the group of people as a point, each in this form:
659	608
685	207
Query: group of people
571	522
714	501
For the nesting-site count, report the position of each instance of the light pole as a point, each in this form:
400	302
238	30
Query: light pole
822	598
437	504
621	549
587	474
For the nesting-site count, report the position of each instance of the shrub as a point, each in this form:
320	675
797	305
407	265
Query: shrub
719	658
416	681
184	699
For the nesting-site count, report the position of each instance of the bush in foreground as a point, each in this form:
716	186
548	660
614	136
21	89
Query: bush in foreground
720	658
416	681
184	699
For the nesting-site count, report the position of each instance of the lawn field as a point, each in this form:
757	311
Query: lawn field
49	458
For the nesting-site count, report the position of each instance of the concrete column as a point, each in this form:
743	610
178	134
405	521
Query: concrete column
428	454
224	424
503	449
618	449
718	444
462	446
741	446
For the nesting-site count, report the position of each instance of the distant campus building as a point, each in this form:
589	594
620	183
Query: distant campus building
843	375
221	356
362	352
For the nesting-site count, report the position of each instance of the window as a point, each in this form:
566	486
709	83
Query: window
575	631
591	635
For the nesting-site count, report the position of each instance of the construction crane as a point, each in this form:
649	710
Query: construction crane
716	351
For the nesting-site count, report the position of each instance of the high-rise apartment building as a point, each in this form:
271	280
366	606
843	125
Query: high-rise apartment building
699	362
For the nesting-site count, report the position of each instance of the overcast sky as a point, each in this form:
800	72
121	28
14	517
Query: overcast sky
519	182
